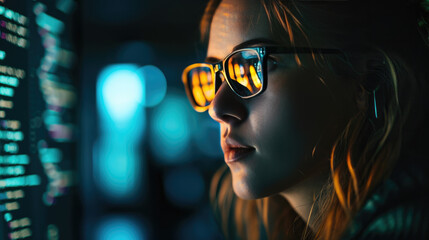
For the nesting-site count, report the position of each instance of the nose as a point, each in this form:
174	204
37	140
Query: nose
227	107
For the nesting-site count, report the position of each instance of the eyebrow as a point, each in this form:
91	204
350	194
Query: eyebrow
256	41
248	43
212	60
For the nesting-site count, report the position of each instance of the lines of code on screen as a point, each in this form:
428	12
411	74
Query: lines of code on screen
37	119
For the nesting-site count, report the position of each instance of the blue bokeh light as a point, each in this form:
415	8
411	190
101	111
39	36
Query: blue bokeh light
184	186
170	131
118	169
121	228
118	163
156	82
122	91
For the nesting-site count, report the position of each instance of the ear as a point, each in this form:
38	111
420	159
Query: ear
376	73
375	76
361	98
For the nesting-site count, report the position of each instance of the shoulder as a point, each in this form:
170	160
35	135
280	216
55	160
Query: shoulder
408	220
398	209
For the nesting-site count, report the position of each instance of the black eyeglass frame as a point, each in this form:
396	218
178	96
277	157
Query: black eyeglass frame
263	52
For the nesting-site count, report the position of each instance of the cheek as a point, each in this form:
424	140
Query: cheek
293	114
310	103
278	140
286	122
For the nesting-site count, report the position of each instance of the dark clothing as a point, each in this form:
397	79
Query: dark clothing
398	209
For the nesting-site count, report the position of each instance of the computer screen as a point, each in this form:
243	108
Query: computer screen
38	131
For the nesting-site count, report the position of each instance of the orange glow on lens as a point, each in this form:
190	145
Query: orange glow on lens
231	70
247	84
196	90
237	73
241	77
255	77
207	86
203	78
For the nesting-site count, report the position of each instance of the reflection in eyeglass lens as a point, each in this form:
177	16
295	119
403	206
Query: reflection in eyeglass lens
197	92
244	68
202	86
244	73
241	77
255	78
207	85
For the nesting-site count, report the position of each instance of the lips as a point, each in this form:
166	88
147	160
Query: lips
235	151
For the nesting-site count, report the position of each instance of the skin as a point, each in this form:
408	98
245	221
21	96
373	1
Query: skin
291	126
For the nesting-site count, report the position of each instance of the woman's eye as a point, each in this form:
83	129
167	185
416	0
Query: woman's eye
271	64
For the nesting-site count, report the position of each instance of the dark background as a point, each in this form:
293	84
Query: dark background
164	34
159	187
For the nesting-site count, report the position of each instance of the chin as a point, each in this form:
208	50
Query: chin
246	191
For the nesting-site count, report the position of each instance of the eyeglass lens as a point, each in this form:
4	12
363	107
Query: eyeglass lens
201	85
244	73
244	70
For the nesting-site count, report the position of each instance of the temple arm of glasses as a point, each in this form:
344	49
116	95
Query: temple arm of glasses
274	49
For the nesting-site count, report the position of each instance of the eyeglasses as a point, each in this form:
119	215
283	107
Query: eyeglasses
245	71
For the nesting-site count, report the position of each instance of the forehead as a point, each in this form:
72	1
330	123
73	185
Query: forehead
234	22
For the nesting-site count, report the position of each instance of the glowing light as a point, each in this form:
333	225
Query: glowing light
49	23
237	71
12	171
58	95
196	90
6	104
65	6
247	84
184	187
170	131
11	81
6	91
117	159
121	91
12	135
155	85
231	70
255	78
118	169
15	159
29	180
7	217
207	85
120	228
23	222
11	147
58	181
241	77
52	232
20	234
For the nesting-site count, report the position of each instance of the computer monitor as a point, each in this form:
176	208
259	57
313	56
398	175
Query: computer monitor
38	102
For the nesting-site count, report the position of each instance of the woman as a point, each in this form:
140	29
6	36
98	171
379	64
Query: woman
321	110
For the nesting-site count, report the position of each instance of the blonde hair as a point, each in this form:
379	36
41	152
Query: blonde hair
362	157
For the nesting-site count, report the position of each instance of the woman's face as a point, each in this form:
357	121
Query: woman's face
268	140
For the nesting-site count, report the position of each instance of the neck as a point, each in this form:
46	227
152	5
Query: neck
303	196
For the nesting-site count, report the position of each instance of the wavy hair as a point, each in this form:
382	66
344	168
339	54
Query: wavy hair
366	151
